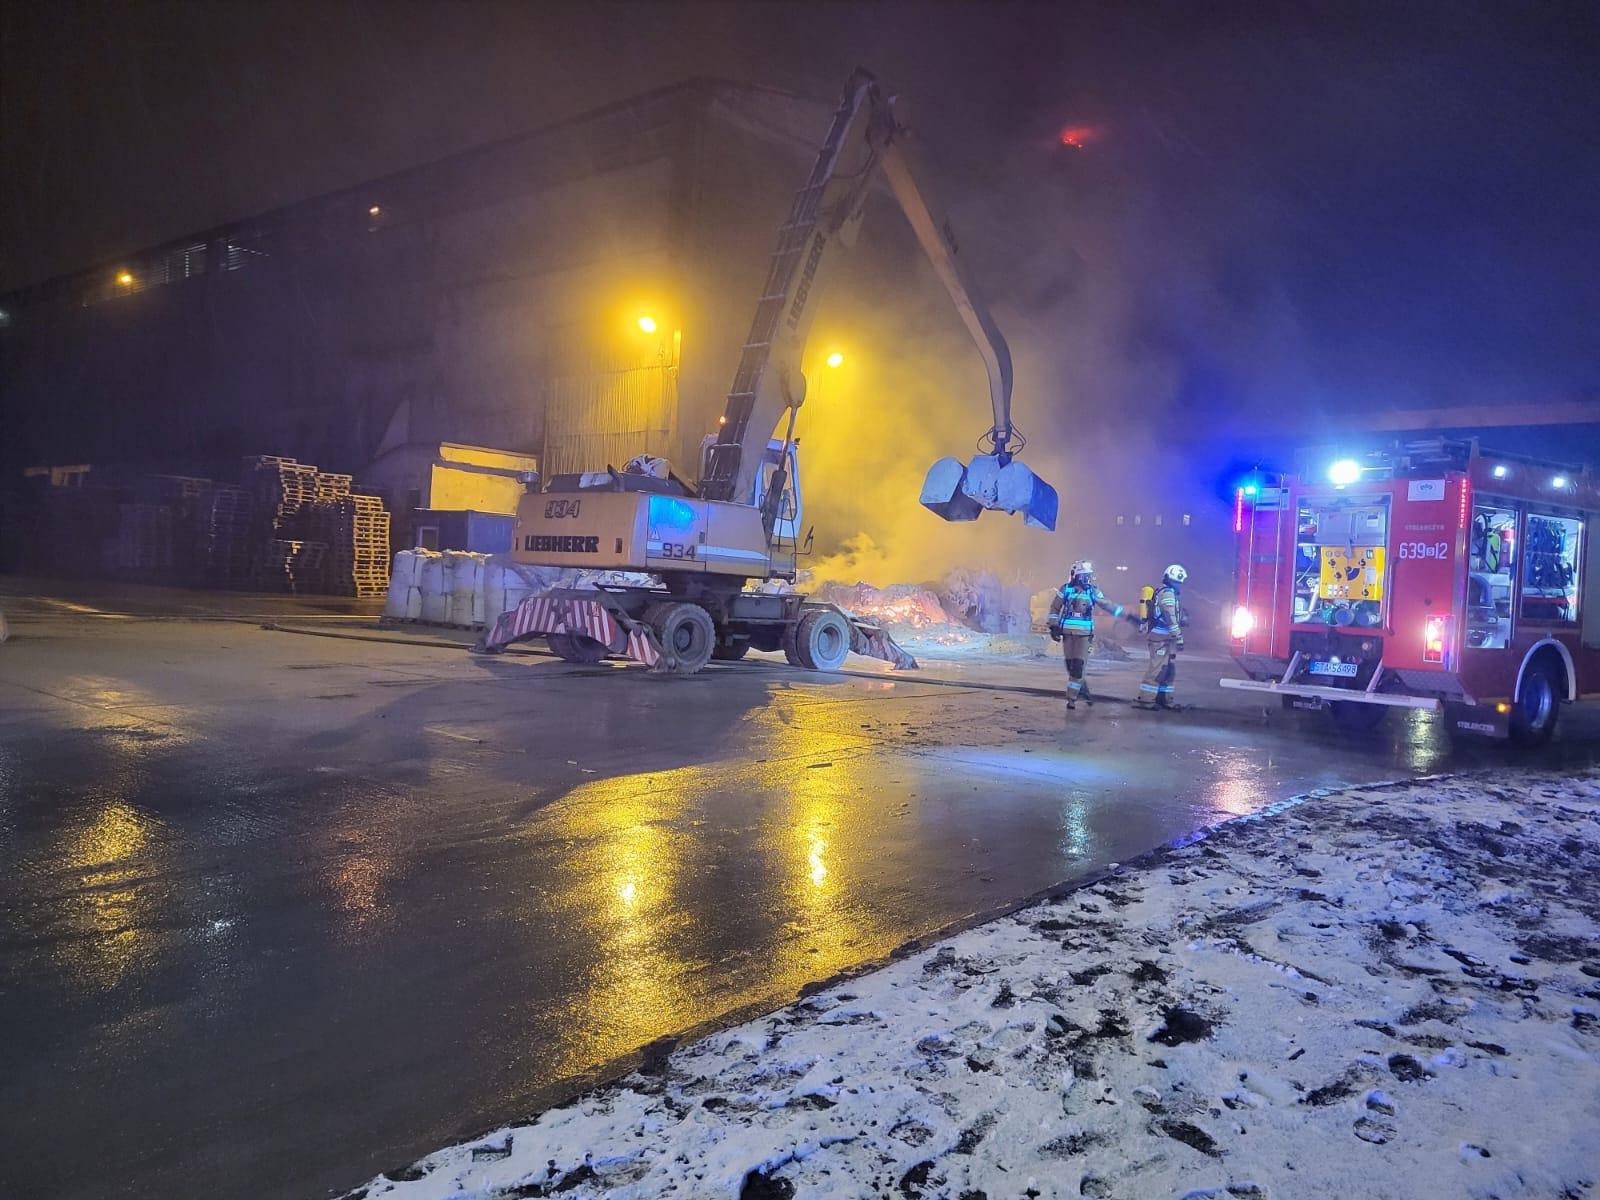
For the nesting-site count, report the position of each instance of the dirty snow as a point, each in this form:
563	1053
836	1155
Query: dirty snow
1386	991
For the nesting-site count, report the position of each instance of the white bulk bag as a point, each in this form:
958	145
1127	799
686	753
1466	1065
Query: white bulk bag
431	583
401	582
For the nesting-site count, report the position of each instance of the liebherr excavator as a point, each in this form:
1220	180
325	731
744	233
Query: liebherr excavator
707	543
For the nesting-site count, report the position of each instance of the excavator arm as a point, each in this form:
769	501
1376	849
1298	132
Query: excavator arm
938	242
864	139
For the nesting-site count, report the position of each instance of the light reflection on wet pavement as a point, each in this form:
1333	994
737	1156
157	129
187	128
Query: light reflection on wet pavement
281	912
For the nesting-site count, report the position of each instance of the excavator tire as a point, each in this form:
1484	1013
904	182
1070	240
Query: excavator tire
686	634
791	648
821	640
731	651
575	648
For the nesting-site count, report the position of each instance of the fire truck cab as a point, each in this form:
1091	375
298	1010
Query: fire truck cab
1433	575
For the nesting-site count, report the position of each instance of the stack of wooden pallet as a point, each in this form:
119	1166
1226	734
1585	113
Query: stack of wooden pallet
222	530
284	491
330	487
290	565
356	529
144	539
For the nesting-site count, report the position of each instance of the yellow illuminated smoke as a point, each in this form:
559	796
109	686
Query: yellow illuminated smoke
911	391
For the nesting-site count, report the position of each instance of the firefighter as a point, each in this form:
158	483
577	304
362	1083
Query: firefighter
1163	625
1072	624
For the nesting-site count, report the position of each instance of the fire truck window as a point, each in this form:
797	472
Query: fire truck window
1550	569
1339	561
1492	557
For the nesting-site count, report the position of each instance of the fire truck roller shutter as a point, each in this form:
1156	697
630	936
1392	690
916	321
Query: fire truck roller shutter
1589	618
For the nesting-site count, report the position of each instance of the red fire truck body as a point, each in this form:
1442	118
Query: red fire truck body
1434	575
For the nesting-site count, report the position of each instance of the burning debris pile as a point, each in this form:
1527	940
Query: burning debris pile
981	600
969	610
898	606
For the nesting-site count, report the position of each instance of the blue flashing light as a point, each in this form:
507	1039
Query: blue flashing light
1250	489
669	516
1344	472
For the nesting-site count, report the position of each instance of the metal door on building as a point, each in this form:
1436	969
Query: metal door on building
606	403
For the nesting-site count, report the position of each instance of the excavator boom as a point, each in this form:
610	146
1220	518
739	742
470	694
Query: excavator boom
864	139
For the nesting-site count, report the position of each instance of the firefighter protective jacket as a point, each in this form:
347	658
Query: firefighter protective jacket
1073	609
1166	615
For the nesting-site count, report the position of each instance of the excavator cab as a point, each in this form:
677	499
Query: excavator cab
788	510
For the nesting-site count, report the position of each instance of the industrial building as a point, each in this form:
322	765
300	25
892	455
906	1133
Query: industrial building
566	298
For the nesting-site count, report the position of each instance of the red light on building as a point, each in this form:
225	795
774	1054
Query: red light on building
1081	136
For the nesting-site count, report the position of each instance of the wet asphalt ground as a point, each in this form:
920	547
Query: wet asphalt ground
280	910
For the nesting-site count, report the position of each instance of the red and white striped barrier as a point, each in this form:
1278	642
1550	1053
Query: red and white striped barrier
540	616
873	642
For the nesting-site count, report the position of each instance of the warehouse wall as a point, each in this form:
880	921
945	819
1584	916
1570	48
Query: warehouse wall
491	299
306	332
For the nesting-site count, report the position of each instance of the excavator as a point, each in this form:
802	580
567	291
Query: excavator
720	547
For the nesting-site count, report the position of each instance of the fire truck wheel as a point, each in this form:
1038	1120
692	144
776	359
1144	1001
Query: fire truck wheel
821	640
731	651
575	648
686	634
1533	716
1354	717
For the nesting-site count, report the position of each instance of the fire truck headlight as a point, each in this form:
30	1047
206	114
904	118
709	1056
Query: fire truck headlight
1345	471
1243	622
1500	471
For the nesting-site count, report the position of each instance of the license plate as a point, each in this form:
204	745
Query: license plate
1343	670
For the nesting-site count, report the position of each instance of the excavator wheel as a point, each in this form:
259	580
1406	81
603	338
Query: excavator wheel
685	632
731	650
789	646
575	648
821	640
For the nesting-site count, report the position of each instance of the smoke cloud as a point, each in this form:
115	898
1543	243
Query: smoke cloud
1186	219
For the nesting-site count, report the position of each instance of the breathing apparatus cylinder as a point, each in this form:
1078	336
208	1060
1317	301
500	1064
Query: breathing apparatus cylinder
1147	608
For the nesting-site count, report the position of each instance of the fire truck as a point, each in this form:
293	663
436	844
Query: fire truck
1427	575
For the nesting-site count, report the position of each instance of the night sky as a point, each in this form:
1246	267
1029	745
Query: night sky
1330	206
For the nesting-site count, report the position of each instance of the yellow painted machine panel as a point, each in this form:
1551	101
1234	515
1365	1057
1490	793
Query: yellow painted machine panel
599	530
637	531
1355	574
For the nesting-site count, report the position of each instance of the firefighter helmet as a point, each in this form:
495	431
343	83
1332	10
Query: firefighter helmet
1082	569
1175	574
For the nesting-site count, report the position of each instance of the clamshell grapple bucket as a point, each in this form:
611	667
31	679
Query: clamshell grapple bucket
960	492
